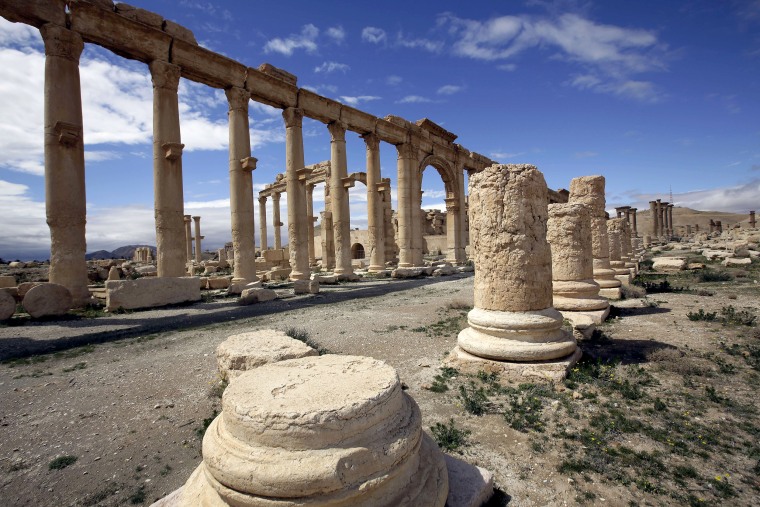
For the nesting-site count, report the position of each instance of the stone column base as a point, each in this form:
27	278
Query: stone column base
612	293
553	370
625	279
596	316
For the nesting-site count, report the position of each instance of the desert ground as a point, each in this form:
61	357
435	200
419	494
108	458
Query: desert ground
109	409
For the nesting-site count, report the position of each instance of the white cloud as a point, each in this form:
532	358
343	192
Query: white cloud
413	99
374	35
425	44
449	89
735	199
354	101
610	54
328	67
394	80
306	40
336	33
497	155
509	67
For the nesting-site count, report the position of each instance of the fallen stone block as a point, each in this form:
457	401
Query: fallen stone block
325	279
246	351
7	281
218	282
7	305
306	287
256	295
151	292
669	264
47	300
733	261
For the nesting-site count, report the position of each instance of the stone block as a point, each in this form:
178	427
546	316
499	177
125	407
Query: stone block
305	287
271	90
7	305
733	261
35	12
318	107
151	292
179	32
276	275
47	300
469	485
246	351
669	264
256	295
273	255
325	279
408	272
140	15
207	67
25	287
17	265
7	281
218	282
552	370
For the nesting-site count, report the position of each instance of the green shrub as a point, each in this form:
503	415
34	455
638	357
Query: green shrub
448	436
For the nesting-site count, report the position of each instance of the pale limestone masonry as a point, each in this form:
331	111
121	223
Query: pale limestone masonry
615	232
341	427
7	305
246	351
589	190
7	281
47	300
198	238
574	290
151	292
513	329
295	175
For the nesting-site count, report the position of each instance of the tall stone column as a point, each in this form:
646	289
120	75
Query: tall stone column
189	238
655	218
752	222
241	166
574	290
294	167
632	221
339	195
384	189
589	190
404	182
65	200
277	223
461	254
417	218
310	223
513	321
670	219
167	171
328	246
263	243
198	238
375	218
615	241
452	230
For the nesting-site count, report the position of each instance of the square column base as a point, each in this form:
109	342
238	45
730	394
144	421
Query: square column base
615	293
596	316
553	370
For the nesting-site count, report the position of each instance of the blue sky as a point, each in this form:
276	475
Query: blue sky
656	96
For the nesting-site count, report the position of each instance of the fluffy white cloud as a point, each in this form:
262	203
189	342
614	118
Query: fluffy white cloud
449	89
355	101
735	199
306	40
328	67
394	80
374	35
413	99
336	33
418	43
610	54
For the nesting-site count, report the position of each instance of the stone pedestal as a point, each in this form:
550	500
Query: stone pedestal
574	290
246	351
589	190
321	431
513	321
65	200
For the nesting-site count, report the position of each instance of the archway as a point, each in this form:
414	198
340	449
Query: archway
357	251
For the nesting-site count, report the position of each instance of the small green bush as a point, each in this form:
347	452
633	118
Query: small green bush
448	436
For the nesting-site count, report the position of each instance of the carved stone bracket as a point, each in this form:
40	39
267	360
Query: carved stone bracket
173	150
68	134
293	117
337	131
348	182
248	163
303	174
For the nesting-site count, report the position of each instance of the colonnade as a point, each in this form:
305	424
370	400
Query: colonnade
662	218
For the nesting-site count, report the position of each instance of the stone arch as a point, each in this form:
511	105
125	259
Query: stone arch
445	170
357	251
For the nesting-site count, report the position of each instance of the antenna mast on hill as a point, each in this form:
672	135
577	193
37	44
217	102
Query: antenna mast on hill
671	194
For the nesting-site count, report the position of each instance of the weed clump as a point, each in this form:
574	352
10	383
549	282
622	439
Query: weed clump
702	315
440	384
62	462
304	336
449	437
709	275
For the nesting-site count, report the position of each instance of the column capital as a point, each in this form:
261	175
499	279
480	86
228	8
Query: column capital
237	98
263	199
452	203
248	163
276	197
164	75
197	219
293	117
337	131
310	188
61	42
371	140
406	150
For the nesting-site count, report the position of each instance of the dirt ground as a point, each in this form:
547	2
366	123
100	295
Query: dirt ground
110	409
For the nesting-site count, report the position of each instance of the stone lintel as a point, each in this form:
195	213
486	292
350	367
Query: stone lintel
173	150
34	12
140	15
204	66
356	120
390	132
179	32
119	34
317	107
383	186
348	182
270	90
303	174
278	73
436	129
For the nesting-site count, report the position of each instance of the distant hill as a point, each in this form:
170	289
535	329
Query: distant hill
123	252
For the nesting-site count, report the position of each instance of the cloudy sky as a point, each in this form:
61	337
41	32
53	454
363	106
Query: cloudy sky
657	96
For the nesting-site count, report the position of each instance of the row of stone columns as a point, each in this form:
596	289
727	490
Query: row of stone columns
662	218
189	238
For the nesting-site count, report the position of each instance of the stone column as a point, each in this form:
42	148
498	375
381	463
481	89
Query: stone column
310	218
294	167
384	189
276	221
65	200
752	219
417	217
198	238
328	246
189	238
688	229
655	218
375	218
461	254
635	231
513	320
615	242
167	171
589	190
242	166
404	182
339	195
671	227
453	230
574	290
263	223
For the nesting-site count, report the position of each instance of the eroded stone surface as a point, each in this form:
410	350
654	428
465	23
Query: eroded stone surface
246	351
47	300
340	426
256	295
7	305
151	292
